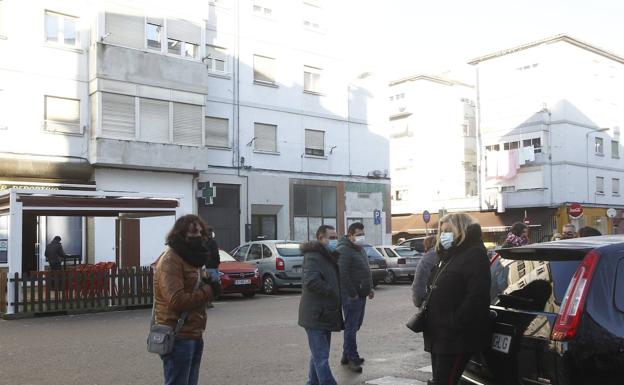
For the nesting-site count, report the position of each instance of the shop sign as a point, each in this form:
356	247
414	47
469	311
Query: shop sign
575	210
611	213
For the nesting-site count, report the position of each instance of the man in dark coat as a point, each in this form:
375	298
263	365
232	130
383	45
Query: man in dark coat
54	253
356	284
457	323
319	308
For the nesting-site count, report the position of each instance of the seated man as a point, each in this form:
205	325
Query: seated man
54	253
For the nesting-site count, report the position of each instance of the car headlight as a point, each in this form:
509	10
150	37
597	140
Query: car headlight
221	274
257	273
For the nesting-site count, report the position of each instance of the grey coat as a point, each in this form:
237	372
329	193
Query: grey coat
421	276
319	307
355	274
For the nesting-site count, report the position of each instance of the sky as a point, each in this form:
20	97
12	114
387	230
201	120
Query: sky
397	38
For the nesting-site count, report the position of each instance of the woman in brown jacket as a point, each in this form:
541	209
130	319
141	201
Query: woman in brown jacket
180	286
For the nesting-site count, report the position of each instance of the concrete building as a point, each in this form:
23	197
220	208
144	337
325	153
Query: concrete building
433	149
242	110
550	118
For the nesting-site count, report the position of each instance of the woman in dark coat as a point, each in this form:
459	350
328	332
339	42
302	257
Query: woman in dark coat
457	323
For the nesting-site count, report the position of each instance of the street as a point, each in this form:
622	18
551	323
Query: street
247	341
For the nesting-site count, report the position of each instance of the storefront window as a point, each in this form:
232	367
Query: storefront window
4	238
313	206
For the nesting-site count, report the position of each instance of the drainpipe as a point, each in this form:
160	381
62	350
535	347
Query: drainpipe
479	144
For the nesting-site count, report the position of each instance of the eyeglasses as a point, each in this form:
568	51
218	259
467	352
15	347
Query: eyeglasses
333	237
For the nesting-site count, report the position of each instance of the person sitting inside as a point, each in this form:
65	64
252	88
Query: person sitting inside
588	232
54	253
518	236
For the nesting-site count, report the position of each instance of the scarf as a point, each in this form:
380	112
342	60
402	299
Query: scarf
516	240
194	251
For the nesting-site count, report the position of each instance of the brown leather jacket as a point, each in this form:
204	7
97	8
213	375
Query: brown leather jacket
174	293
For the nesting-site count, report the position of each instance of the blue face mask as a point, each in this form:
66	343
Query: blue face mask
446	240
332	244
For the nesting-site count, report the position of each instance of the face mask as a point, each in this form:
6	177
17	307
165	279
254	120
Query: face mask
195	242
332	244
446	240
360	240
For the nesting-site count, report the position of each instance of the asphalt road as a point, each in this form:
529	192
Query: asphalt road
252	341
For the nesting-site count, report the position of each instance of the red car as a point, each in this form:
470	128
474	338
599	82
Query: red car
237	277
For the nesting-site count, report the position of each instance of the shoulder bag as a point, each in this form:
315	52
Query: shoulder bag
161	338
417	322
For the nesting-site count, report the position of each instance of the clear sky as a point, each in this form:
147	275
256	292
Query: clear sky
396	38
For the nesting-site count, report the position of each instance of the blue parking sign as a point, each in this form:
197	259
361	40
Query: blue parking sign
377	217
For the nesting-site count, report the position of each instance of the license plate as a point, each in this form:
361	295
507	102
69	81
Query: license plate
297	269
501	342
374	266
242	282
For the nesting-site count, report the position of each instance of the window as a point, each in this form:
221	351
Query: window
183	38
118	116
619	286
312	79
313	206
315	142
61	29
3	109
187	124
511	145
265	137
264	227
255	252
615	186
312	15
599	185
262	9
264	69
599	146
4	238
494	147
266	252
615	149
62	115
535	142
216	59
241	253
124	29
153	32
217	132
154	120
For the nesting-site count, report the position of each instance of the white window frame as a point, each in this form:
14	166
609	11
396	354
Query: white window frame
228	145
274	74
312	23
260	8
615	186
211	60
306	148
600	180
255	140
163	35
60	41
183	50
50	122
313	71
615	149
599	146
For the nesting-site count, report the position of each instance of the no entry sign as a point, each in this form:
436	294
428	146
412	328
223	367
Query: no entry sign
575	210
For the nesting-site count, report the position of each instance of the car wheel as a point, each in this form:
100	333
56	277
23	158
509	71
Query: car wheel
249	295
268	285
390	277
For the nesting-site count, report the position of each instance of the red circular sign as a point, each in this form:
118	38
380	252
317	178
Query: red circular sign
575	210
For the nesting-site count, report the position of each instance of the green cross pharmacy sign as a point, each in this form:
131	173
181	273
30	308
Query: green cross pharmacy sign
206	191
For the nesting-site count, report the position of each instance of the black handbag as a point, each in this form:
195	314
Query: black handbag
417	322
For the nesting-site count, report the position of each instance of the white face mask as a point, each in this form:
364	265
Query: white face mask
360	240
446	240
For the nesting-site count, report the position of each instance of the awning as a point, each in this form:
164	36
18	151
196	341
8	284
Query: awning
490	221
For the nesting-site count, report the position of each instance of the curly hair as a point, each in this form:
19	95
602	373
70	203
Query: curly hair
181	227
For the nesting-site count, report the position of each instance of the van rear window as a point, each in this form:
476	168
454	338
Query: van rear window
531	285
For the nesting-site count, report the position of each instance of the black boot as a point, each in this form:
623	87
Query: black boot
355	366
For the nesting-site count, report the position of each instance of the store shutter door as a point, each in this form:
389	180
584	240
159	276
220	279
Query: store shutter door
118	112
125	29
154	116
187	124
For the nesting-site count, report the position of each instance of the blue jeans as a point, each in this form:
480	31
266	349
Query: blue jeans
214	274
182	364
320	372
353	310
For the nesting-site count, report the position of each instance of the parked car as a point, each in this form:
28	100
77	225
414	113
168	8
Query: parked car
377	264
558	315
417	244
279	263
237	277
401	262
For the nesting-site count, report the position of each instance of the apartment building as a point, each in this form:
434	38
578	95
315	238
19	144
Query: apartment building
243	110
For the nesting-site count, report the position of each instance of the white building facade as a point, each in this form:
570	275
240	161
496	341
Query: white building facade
550	118
244	100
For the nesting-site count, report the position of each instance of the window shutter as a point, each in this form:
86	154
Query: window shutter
217	132
155	20
154	119
315	139
187	124
266	137
127	30
62	114
118	112
217	53
264	69
183	30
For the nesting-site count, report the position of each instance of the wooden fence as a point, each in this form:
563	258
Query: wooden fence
71	291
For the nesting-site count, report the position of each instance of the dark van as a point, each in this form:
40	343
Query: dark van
557	315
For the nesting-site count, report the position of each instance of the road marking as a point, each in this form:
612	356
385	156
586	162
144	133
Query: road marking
394	381
426	369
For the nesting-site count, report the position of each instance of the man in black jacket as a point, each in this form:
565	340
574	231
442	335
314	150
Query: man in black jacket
54	253
319	309
356	284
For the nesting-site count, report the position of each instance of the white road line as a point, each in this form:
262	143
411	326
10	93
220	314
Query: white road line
426	369
394	381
